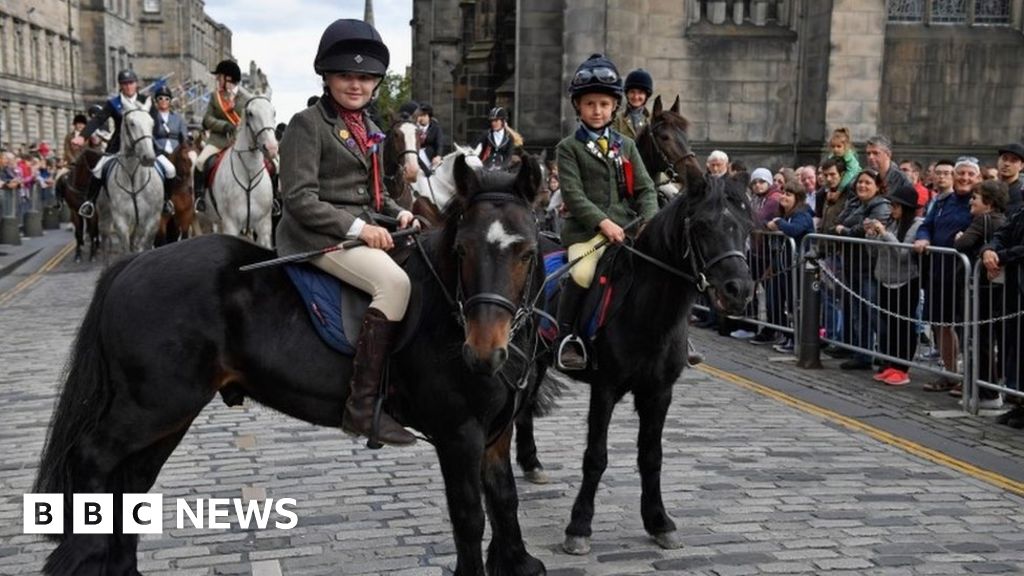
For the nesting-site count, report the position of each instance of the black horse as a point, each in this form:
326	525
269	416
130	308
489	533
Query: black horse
131	391
694	244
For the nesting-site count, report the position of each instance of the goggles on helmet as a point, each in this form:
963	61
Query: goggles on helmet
588	75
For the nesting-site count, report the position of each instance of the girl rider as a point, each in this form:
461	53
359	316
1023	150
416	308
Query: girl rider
331	187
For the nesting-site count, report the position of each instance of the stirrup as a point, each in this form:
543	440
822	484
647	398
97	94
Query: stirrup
201	204
275	208
168	207
571	340
87	209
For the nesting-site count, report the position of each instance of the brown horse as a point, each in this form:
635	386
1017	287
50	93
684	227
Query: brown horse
73	186
176	227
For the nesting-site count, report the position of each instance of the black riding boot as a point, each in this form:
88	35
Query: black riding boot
375	340
571	354
168	205
199	188
88	208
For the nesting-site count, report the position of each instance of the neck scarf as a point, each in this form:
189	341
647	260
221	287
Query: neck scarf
354	121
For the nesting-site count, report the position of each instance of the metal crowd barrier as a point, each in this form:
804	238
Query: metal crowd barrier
773	260
878	320
996	333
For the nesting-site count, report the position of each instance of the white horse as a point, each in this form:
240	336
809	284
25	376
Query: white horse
241	196
133	194
439	187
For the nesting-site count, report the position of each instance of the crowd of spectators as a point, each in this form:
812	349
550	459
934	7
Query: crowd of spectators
892	290
25	171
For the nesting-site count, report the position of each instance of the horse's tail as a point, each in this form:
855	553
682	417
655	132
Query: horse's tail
84	398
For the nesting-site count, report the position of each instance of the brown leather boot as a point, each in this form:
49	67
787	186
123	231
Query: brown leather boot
372	349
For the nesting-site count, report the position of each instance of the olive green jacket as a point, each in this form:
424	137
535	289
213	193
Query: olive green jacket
326	180
622	125
215	121
590	185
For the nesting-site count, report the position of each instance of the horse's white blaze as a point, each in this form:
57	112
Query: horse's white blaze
496	234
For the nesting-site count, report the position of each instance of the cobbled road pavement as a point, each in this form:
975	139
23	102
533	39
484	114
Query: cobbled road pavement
755	486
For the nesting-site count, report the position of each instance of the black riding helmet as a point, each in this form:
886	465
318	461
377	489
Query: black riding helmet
407	110
596	74
126	76
640	79
352	46
498	113
230	69
80	119
163	91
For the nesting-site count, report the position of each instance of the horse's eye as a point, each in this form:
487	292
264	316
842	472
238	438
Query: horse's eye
527	256
460	250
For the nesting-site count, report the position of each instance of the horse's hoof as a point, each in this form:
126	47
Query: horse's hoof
536	476
667	540
576	545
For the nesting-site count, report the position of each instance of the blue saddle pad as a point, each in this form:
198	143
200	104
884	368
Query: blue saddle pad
323	296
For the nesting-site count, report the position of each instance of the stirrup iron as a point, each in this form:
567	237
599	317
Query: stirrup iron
87	209
572	340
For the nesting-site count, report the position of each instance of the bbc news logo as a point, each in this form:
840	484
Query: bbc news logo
143	513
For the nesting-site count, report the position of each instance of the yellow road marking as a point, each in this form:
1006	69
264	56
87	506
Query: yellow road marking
914	448
25	284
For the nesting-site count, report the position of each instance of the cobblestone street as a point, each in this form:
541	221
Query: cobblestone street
755	485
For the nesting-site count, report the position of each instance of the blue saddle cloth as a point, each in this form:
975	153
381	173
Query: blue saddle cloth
594	309
322	294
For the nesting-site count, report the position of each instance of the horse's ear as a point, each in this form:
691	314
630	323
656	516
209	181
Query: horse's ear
675	105
528	180
657	105
465	177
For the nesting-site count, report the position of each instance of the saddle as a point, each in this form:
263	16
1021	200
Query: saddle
602	300
337	309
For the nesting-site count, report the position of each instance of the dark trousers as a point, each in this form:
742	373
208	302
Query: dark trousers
898	337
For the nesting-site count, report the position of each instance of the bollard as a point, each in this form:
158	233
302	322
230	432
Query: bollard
809	349
9	233
33	218
51	218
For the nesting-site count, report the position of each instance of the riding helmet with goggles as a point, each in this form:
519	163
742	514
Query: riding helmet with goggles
352	46
126	76
498	113
641	80
163	92
596	74
230	69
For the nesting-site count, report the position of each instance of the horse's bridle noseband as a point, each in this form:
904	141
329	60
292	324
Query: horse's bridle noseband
255	133
129	151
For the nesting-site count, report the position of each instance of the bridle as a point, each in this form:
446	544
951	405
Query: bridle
394	175
129	151
255	134
670	166
460	304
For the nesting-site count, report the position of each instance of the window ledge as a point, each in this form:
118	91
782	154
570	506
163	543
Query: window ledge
709	30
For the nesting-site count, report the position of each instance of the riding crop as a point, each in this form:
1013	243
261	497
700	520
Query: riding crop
302	256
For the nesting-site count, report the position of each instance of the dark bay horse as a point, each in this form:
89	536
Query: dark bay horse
666	130
73	187
694	244
177	226
131	392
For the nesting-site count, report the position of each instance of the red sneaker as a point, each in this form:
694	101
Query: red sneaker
897	378
881	376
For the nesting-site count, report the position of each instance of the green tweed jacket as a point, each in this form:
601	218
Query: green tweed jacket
326	181
591	185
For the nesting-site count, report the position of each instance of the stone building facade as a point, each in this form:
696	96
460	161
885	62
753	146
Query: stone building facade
58	57
765	80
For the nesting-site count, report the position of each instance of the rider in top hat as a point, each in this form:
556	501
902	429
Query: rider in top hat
639	87
500	143
71	151
430	135
169	132
222	118
115	108
332	187
604	185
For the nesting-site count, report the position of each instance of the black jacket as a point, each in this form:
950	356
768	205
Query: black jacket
433	140
1008	244
112	108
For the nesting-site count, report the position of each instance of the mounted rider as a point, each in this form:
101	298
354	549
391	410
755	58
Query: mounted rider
221	121
639	87
604	185
500	143
126	100
169	132
332	187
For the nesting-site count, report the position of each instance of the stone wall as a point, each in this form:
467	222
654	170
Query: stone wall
954	89
539	71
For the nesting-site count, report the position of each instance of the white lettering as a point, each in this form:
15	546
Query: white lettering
218	508
252	510
185	509
293	518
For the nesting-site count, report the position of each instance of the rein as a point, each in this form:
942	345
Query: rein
252	179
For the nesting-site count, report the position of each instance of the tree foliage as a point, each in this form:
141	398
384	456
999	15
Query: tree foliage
394	90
